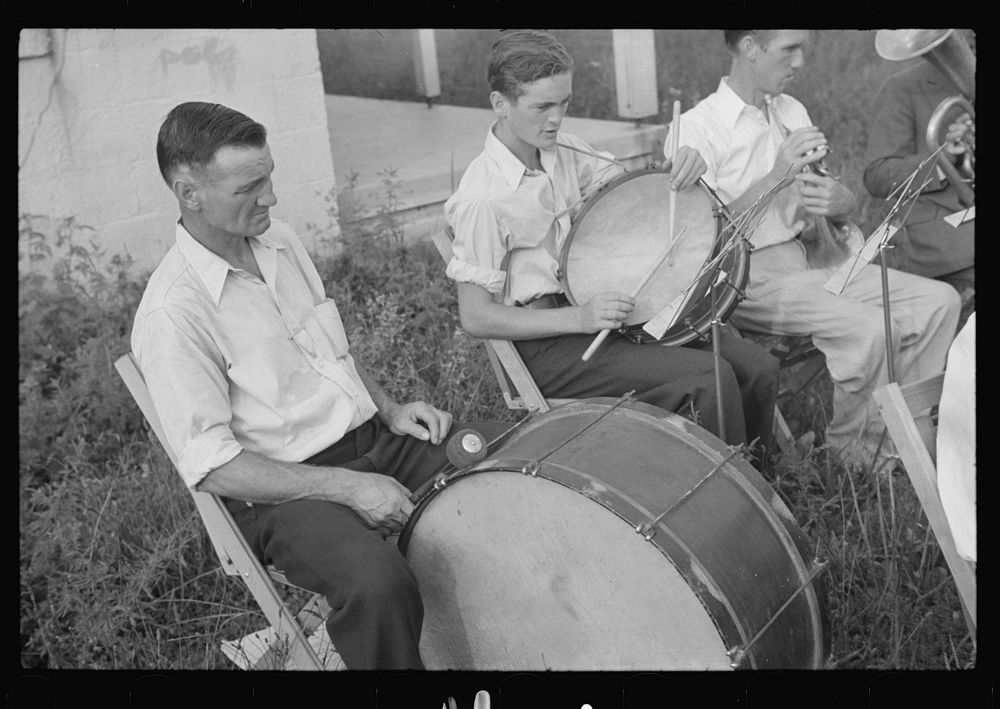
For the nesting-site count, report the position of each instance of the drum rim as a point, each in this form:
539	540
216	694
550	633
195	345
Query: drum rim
716	604
682	333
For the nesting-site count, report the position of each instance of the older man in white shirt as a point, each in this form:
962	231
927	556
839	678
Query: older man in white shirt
249	369
740	130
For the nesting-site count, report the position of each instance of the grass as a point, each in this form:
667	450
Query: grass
115	569
117	573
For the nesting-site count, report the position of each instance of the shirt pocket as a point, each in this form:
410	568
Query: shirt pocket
326	328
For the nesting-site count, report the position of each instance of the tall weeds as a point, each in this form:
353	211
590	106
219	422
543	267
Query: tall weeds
116	571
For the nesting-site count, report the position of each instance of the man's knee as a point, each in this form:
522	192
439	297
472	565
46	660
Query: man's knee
727	376
951	299
385	583
765	368
853	361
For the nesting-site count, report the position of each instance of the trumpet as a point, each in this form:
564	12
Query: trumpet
947	51
827	243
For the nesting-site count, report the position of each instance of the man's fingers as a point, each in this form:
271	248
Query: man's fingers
445	420
690	166
408	427
437	421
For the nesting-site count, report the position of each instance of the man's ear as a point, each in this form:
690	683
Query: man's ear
500	103
750	47
187	190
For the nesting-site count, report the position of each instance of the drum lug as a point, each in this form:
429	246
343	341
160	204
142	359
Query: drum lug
738	654
647	530
530	468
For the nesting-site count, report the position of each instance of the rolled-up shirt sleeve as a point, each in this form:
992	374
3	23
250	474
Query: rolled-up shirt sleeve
185	375
479	247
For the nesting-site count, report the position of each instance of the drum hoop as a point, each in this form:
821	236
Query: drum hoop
729	299
716	604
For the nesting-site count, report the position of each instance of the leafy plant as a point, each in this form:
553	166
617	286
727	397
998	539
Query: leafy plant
117	573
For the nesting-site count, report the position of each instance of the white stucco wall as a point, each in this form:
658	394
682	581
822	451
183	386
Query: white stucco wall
90	107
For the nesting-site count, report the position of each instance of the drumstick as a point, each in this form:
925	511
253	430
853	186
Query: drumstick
593	155
635	293
675	138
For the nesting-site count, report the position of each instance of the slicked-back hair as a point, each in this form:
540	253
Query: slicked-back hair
520	57
733	37
193	132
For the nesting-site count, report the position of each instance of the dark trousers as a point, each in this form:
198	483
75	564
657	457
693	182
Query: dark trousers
678	379
376	607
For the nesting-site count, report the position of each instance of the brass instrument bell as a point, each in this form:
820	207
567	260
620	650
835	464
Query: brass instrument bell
950	54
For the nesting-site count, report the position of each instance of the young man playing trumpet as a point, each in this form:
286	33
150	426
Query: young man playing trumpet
511	215
755	140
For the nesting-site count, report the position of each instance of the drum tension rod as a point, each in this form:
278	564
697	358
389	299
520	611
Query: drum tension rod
531	467
648	530
738	654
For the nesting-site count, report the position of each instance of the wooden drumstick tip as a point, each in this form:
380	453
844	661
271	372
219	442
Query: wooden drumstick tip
595	344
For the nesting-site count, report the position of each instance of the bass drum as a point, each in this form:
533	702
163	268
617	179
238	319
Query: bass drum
609	536
621	231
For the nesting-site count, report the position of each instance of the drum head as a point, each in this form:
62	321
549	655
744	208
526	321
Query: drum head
522	572
622	231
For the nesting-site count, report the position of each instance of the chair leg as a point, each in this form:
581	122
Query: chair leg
783	434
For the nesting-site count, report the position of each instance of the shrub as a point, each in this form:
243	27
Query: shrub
71	326
117	573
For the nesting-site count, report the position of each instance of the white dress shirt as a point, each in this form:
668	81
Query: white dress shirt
234	363
956	440
501	207
739	146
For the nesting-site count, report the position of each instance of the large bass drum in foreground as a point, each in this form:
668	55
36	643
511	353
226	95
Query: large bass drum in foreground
603	536
621	231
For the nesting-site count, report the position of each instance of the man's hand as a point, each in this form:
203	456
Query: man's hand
605	311
690	166
381	502
799	148
405	420
961	135
823	196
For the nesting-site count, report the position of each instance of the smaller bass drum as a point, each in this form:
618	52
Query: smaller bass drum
621	231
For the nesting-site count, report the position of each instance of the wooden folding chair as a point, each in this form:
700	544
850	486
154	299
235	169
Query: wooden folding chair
287	644
906	412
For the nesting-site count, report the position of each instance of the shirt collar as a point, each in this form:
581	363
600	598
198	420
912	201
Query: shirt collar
731	106
511	167
211	268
